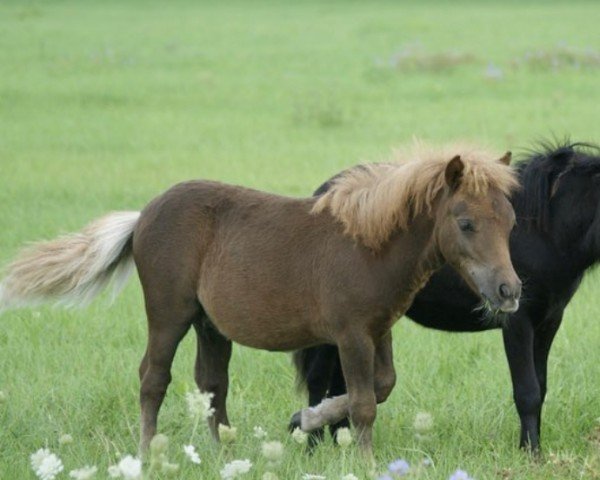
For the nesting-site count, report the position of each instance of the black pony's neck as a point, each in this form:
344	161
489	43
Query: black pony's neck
570	222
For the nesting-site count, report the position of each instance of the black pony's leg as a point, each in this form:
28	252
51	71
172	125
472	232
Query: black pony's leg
544	336
318	381
518	344
337	387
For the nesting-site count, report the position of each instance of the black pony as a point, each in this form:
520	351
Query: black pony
556	240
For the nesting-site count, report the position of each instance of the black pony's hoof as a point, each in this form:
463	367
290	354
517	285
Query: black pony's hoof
314	438
295	421
535	452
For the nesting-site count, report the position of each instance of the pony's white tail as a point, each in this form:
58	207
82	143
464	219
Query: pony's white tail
72	269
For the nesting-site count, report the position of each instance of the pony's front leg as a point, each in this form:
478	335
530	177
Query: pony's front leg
357	355
385	373
335	409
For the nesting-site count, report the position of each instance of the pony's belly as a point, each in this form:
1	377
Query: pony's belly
263	332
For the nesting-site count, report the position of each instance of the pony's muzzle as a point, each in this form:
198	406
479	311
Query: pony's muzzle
509	294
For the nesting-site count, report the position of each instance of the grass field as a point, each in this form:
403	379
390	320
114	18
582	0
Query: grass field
103	105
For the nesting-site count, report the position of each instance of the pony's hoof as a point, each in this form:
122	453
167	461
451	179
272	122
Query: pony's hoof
295	421
534	453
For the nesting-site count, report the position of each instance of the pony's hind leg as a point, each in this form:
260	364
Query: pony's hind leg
211	372
167	325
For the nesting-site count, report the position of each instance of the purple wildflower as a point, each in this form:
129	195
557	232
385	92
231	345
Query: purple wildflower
399	467
460	475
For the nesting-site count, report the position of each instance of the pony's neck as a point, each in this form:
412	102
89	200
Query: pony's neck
578	244
590	244
420	247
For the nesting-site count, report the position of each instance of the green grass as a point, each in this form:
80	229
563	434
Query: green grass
105	104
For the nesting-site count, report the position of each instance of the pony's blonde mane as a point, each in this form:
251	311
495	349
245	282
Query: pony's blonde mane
374	200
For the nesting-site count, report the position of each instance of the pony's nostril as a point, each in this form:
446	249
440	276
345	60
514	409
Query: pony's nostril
505	291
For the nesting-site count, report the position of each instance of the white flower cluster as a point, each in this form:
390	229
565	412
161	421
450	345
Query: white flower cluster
259	433
344	437
227	434
190	452
199	404
423	422
129	468
84	473
235	469
159	461
46	464
299	436
65	439
272	451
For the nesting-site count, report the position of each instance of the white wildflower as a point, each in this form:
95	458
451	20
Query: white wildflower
272	451
299	436
199	404
423	422
227	434
114	472
169	468
38	457
159	444
235	469
190	452
64	439
350	476
259	433
130	467
158	455
343	437
84	473
310	476
45	464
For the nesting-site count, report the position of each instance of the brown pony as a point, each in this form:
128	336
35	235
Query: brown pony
239	265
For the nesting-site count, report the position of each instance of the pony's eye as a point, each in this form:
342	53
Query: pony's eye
466	225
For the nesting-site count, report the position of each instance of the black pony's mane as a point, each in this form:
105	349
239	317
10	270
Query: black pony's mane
540	170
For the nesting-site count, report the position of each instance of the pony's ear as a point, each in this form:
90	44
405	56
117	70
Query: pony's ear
506	158
454	172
